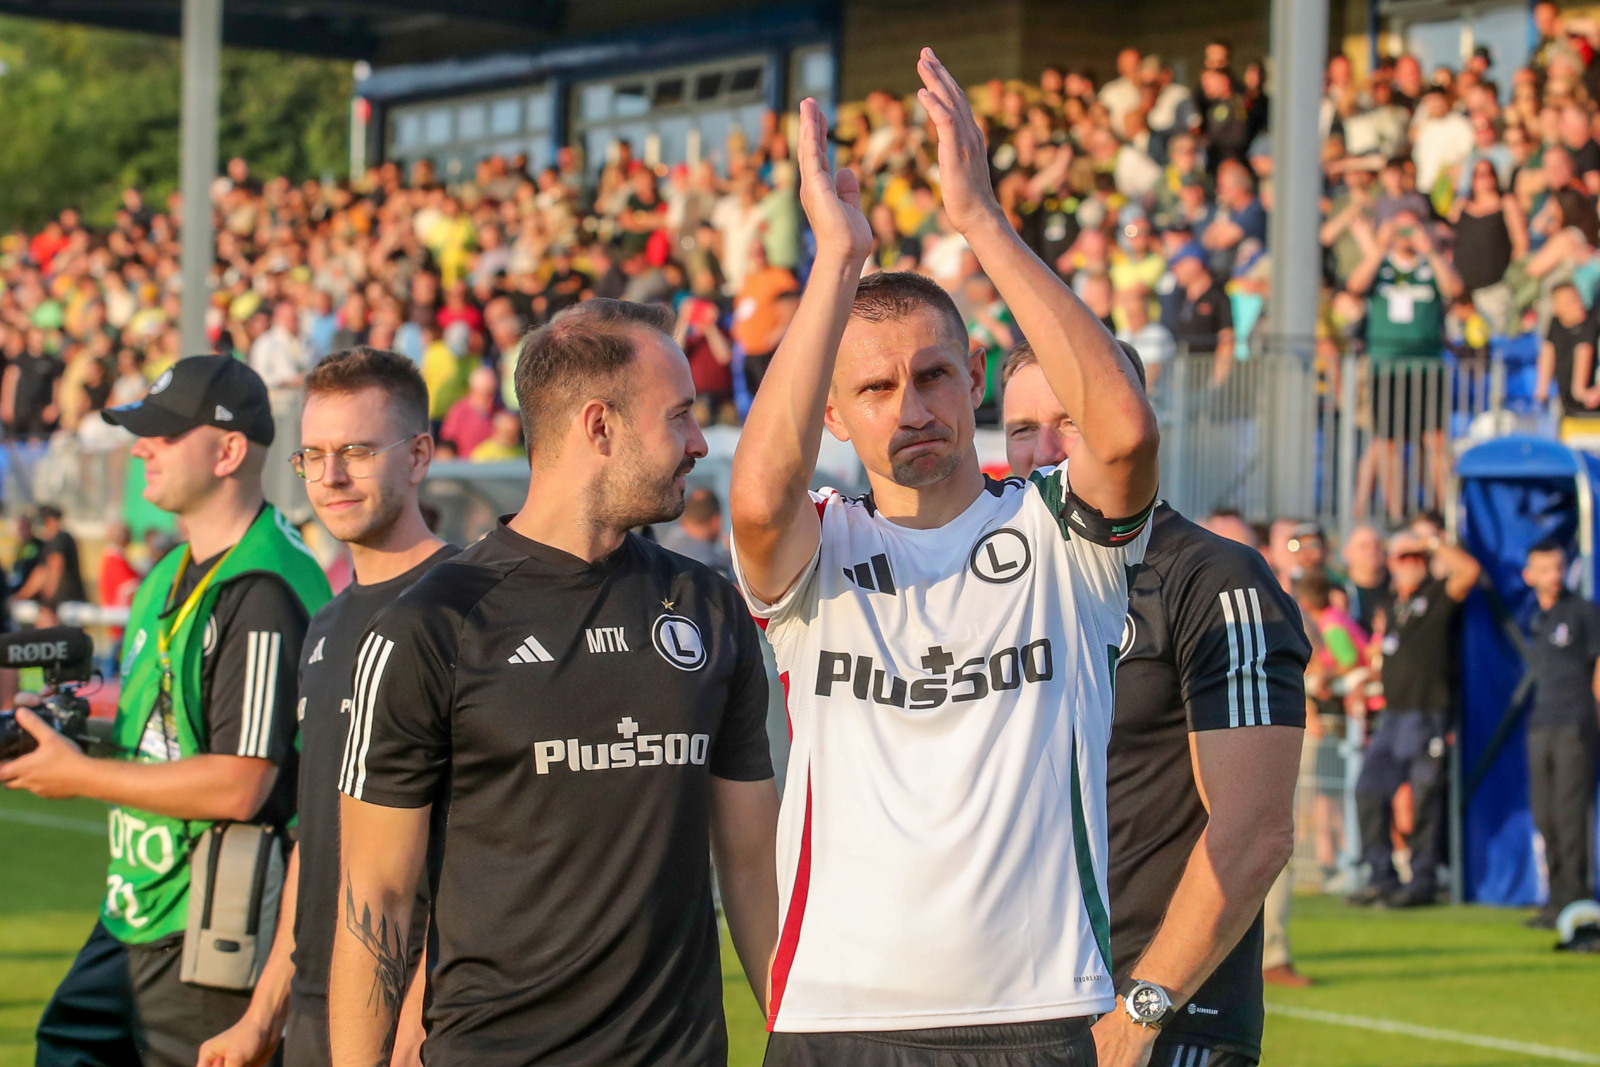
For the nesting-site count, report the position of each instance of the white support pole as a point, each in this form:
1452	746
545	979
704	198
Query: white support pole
202	56
1299	53
360	115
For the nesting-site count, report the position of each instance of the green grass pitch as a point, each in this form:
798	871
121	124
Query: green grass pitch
1460	974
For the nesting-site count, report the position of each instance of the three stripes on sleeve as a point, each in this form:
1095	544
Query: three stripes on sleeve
370	664
1248	703
262	651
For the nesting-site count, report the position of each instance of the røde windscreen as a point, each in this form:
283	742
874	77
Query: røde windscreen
58	646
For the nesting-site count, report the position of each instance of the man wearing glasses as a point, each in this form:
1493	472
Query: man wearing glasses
364	452
1416	629
204	725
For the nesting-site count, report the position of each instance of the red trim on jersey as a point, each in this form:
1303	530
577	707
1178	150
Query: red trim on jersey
822	506
783	959
788	719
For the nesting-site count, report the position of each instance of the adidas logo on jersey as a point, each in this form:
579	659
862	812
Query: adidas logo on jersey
531	651
606	639
874	576
316	653
974	679
635	750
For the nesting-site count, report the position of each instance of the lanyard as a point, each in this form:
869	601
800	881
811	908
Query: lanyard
164	635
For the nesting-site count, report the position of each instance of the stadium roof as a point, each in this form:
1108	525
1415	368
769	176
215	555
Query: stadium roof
375	30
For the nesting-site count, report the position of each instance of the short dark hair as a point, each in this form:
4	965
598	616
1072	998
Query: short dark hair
1549	544
1022	355
580	352
1314	589
351	370
701	505
49	513
892	295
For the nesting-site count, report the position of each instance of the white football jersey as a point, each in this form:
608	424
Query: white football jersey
942	841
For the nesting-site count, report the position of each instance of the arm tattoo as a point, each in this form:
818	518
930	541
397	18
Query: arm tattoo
388	966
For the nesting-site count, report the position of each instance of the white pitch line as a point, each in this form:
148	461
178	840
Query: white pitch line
53	822
1429	1033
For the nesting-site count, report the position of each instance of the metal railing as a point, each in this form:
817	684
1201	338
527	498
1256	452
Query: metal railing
1244	441
1327	838
1342	438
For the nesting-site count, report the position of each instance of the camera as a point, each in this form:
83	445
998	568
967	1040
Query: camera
66	655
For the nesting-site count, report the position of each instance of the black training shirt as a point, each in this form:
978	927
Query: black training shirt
1565	340
1199	323
1211	643
1418	646
71	588
247	693
1563	644
570	716
331	644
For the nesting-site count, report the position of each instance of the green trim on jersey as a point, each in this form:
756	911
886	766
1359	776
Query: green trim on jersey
1099	917
147	884
1055	497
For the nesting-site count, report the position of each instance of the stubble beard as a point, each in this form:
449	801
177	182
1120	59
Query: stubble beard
383	510
634	496
925	471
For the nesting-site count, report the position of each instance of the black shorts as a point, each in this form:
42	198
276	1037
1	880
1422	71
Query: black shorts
305	1036
1058	1043
123	1004
1195	1052
1408	398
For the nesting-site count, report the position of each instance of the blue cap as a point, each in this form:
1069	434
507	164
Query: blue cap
1188	251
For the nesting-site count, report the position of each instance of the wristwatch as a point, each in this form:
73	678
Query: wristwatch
1146	1003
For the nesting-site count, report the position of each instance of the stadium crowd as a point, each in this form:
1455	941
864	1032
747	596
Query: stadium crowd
1459	213
1460	209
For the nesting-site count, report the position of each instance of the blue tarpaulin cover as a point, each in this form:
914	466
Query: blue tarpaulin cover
1515	492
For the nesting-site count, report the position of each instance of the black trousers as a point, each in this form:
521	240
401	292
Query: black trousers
122	1005
1561	777
1060	1043
1407	747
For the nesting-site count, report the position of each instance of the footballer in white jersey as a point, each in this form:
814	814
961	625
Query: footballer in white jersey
942	848
947	644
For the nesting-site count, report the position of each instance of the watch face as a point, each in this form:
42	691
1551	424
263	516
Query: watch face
1146	1002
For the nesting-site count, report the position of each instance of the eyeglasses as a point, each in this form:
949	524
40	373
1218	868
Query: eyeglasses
311	465
1411	557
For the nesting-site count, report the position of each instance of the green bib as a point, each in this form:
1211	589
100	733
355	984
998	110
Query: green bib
147	885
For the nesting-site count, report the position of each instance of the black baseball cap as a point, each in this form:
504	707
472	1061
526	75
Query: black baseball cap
200	391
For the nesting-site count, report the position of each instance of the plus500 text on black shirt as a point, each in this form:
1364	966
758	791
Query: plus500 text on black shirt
570	716
331	644
1563	645
1212	643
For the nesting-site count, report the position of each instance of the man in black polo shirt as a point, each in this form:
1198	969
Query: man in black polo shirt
58	579
364	451
590	711
1205	749
1202	317
1563	732
1416	630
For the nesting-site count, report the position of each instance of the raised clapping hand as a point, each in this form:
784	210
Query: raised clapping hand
963	155
832	201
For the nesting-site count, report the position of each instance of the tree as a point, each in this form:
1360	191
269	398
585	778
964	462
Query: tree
85	113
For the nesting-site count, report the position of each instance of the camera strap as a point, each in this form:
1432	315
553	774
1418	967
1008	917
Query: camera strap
164	635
